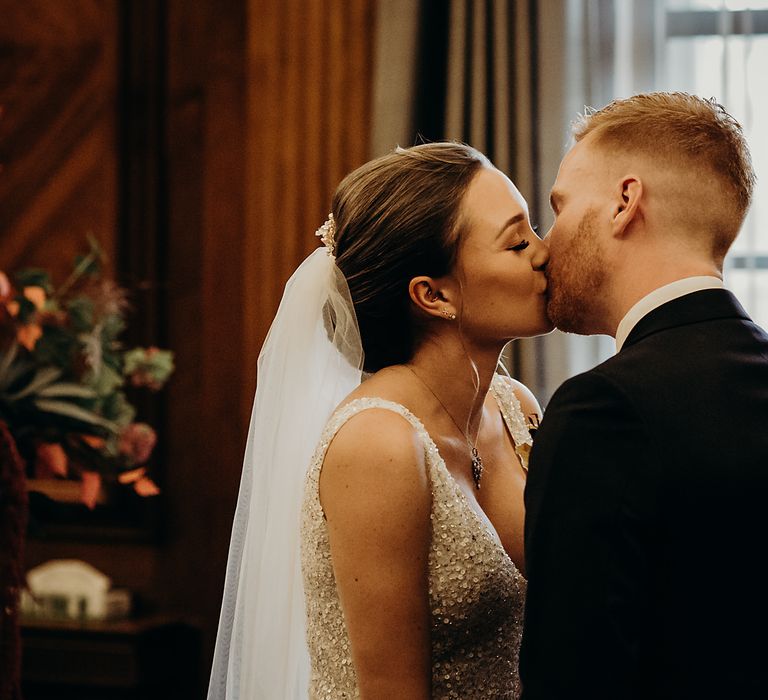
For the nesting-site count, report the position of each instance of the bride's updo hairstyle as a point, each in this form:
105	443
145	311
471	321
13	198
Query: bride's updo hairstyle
398	217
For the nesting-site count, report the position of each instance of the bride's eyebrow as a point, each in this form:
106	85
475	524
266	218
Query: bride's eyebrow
516	219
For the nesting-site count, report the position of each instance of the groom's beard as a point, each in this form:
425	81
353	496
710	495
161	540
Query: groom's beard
576	274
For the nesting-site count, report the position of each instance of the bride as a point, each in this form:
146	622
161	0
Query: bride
377	549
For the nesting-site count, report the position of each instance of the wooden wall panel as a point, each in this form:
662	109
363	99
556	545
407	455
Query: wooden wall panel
269	104
59	182
205	433
57	132
309	105
266	105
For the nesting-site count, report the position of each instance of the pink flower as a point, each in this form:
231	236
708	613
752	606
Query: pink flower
144	378
5	286
148	367
109	299
136	442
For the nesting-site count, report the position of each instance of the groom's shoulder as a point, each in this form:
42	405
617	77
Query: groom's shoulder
589	406
617	378
624	381
601	383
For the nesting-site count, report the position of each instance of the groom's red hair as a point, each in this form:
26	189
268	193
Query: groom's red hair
681	131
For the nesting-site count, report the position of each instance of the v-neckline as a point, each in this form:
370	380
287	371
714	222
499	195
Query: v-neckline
484	521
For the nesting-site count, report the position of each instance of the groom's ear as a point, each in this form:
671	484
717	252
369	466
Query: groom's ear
629	196
432	296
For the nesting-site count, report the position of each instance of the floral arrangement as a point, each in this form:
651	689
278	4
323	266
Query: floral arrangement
63	374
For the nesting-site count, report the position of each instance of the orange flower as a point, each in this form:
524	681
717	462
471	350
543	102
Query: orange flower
28	335
93	441
146	487
142	484
131	476
36	295
51	460
90	487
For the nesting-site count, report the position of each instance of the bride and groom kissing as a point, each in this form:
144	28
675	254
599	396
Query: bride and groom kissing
399	534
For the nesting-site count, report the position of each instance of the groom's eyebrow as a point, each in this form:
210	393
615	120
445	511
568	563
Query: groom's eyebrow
554	200
516	219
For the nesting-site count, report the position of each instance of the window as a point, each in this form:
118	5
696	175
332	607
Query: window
594	51
719	48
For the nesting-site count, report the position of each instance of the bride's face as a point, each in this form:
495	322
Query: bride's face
500	263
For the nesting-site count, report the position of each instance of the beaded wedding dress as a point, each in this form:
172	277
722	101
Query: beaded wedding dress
476	593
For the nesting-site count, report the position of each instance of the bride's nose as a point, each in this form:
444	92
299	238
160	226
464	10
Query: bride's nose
540	256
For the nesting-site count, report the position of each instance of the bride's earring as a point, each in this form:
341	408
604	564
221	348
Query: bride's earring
449	314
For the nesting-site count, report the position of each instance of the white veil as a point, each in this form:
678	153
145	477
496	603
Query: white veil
311	359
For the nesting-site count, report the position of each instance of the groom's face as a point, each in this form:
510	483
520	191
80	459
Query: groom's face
576	275
577	267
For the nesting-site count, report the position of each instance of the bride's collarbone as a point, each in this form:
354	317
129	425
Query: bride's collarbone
495	448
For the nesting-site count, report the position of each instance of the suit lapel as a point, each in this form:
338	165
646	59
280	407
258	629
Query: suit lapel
704	305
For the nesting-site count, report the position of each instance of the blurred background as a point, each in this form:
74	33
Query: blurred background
199	143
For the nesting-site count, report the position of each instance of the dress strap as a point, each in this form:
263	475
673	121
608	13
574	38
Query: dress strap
503	392
514	418
345	412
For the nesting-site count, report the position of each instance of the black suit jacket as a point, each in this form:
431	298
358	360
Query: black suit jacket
647	516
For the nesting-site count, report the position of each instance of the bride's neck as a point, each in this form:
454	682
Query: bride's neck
459	377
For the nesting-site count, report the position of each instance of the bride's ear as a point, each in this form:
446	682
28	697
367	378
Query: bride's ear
432	297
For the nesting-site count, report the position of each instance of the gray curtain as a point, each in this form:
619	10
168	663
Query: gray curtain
508	76
463	70
459	69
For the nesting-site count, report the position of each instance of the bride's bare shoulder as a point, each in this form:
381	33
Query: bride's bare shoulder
376	460
375	439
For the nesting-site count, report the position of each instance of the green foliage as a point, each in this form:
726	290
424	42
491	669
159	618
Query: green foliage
80	312
33	277
26	309
57	347
63	369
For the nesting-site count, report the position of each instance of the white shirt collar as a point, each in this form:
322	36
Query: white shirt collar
660	296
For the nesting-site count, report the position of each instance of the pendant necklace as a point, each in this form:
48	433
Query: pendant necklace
477	460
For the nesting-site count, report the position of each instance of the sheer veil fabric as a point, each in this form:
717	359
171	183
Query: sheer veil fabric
312	358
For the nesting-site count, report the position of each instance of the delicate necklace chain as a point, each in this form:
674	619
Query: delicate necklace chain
477	460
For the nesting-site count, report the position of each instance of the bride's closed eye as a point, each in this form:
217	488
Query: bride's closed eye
520	246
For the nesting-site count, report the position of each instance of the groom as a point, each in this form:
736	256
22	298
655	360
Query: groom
647	499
